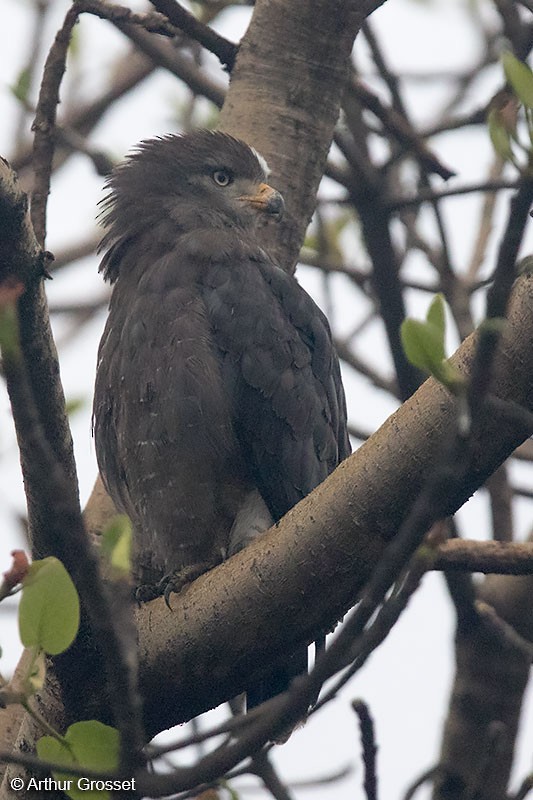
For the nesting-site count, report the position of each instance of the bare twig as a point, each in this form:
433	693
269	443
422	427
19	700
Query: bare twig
66	528
498	295
501	505
375	221
35	45
505	558
186	22
129	72
262	767
366	640
401	130
525	788
368	743
153	23
43	126
485	224
163	54
50	479
420	781
429	195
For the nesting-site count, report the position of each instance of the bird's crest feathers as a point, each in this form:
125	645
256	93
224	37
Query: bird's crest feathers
158	172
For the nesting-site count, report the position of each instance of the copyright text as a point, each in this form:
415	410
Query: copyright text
82	784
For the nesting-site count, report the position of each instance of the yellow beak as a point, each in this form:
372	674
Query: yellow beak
267	199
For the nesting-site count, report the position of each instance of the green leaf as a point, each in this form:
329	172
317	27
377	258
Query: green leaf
436	315
87	745
422	344
520	77
116	544
50	749
450	377
49	611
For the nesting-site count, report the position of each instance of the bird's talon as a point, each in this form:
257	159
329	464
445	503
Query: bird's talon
168	591
146	592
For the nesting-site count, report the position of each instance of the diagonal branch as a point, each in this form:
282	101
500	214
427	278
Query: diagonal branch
53	503
266	592
507	558
206	36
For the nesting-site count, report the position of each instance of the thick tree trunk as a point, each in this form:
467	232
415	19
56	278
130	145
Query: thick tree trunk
484	713
284	99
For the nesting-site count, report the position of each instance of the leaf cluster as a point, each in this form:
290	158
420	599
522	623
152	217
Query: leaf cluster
49	619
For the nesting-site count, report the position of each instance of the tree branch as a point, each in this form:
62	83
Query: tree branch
267	594
55	515
301	88
206	36
504	558
490	680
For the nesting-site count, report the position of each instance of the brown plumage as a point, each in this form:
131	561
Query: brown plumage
218	401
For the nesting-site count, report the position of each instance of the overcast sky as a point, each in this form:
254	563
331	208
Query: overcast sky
406	682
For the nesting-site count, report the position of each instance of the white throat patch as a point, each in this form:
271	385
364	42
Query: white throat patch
264	166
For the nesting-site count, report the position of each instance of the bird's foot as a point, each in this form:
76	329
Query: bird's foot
174	582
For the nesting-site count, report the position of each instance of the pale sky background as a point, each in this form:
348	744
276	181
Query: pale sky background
407	681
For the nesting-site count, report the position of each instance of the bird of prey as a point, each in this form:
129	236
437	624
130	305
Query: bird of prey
218	401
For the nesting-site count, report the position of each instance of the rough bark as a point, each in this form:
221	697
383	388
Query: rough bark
484	711
308	46
23	737
284	99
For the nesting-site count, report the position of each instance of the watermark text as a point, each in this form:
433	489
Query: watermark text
81	784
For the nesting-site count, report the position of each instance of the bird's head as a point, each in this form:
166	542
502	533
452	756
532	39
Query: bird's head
199	180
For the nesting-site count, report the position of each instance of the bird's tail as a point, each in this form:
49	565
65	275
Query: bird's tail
278	680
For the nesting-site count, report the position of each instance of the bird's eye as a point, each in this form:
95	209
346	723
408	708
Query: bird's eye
222	177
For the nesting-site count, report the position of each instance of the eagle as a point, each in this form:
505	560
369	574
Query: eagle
218	401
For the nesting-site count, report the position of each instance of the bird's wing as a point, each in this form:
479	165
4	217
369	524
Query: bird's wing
288	405
288	402
103	423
